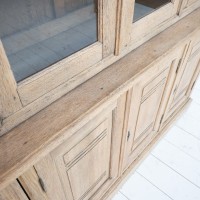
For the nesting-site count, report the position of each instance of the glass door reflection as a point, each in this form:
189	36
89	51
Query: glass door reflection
39	33
145	7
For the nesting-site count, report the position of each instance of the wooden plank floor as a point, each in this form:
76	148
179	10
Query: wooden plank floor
172	170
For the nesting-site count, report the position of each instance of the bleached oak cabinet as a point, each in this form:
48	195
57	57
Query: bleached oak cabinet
85	144
83	167
13	192
152	104
144	101
183	78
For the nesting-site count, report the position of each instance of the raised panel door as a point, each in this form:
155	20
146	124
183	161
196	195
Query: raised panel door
186	75
145	98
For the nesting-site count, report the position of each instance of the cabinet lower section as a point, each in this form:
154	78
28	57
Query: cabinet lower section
84	172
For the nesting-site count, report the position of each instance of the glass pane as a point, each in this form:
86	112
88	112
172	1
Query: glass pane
38	33
145	7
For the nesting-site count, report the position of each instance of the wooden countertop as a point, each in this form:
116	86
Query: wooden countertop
36	137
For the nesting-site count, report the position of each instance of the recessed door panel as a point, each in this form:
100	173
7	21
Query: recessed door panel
145	99
85	167
182	87
148	108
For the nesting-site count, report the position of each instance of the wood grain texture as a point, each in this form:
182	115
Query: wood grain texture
140	31
183	77
176	33
13	192
149	144
125	17
46	130
109	26
145	99
87	142
89	158
45	170
85	151
44	82
30	182
9	98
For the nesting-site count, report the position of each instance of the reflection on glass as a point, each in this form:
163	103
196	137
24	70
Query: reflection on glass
38	33
145	7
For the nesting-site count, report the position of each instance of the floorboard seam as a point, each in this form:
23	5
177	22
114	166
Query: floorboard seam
182	150
154	185
176	171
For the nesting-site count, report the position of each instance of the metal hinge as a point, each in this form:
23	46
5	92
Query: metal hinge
161	119
42	185
128	136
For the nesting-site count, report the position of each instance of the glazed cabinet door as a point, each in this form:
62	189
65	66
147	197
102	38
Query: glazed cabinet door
47	48
85	165
143	105
142	19
13	192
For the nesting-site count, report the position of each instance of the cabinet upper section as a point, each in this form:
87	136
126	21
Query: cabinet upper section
48	47
37	34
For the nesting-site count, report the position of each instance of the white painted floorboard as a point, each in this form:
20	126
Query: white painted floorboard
172	170
188	143
138	187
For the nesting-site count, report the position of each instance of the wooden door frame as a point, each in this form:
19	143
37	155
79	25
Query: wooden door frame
129	33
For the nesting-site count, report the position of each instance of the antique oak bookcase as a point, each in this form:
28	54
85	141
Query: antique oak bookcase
87	87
